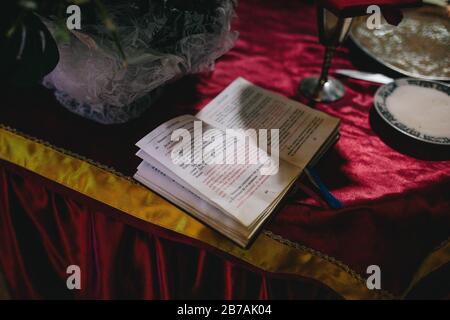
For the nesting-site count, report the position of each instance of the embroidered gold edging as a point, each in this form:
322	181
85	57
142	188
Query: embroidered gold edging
269	252
68	153
383	293
435	260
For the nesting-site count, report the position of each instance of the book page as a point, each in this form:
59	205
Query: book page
158	181
237	189
302	130
147	159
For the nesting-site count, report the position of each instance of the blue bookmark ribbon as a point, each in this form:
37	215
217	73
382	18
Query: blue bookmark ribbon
326	194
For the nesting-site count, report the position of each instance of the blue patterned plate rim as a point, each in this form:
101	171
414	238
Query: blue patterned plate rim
380	106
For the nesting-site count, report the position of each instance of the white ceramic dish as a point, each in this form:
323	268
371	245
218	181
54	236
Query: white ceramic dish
417	108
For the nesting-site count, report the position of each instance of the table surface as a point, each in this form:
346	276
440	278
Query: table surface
397	202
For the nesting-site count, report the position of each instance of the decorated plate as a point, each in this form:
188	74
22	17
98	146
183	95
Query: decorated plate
417	108
418	47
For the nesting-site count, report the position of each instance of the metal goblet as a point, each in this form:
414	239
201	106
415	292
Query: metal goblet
332	32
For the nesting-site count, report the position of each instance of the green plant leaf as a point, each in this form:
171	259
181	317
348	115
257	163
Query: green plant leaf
29	53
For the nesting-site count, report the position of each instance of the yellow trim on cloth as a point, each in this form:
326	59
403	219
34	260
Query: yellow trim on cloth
268	252
435	260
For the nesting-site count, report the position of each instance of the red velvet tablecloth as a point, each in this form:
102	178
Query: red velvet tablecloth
397	200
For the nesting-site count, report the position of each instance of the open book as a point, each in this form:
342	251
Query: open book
231	164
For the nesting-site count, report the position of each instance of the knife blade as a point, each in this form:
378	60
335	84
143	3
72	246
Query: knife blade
366	76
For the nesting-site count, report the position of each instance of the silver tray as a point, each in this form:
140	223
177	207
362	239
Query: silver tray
418	47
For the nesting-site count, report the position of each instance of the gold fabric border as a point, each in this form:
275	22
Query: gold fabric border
435	260
268	252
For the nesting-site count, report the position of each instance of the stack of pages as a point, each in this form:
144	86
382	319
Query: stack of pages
231	164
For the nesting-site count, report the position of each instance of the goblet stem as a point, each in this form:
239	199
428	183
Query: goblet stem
329	51
332	32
